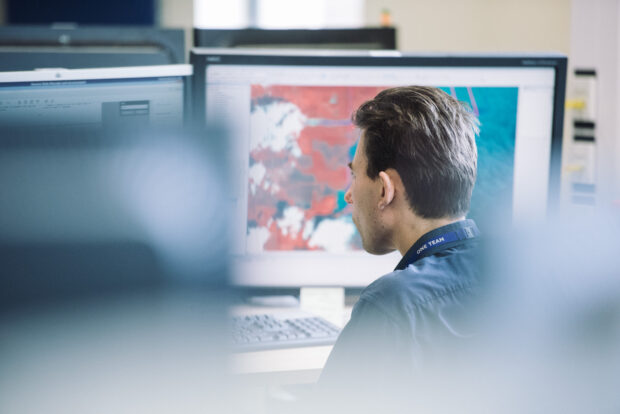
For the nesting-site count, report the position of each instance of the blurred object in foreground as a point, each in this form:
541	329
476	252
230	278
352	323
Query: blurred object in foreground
114	274
550	325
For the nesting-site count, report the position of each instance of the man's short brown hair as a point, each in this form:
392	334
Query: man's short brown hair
428	137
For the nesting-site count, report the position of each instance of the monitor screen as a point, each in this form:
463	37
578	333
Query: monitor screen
290	116
94	99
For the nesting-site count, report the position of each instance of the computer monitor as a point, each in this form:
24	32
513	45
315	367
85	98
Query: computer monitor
29	47
290	118
113	272
94	217
94	99
369	38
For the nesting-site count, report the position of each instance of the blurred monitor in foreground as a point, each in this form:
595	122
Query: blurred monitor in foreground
292	138
114	273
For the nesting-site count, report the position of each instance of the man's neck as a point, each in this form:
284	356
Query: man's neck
417	228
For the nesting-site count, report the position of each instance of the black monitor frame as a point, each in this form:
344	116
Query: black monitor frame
202	59
352	38
27	40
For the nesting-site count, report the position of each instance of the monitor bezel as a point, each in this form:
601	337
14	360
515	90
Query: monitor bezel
385	37
64	36
202	58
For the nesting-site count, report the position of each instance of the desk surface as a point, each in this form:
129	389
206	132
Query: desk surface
281	366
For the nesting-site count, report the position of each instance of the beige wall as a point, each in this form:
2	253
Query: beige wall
177	14
477	25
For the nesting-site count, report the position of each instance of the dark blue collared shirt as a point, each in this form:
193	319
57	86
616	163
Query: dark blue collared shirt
407	318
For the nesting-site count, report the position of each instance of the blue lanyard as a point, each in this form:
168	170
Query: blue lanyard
468	230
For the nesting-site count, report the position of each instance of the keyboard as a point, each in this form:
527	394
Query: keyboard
265	331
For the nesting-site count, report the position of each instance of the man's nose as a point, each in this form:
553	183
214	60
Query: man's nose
348	197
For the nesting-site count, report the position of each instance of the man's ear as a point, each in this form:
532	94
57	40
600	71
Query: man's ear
387	191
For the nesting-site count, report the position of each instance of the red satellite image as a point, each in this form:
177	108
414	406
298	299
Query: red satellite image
303	139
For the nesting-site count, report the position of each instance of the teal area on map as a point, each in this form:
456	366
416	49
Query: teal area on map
342	203
496	108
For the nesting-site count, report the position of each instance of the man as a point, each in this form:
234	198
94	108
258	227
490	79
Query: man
413	171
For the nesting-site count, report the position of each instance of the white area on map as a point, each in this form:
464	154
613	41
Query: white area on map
257	237
291	221
276	127
333	235
308	229
256	175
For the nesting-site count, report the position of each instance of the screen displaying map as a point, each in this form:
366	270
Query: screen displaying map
301	140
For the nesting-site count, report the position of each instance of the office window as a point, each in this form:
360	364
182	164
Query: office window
217	14
278	14
316	14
